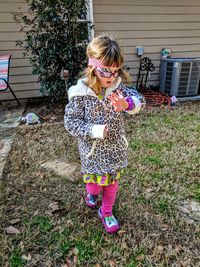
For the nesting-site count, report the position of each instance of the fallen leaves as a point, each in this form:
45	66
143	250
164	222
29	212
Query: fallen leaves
12	230
71	263
112	263
15	221
53	207
121	232
30	191
27	257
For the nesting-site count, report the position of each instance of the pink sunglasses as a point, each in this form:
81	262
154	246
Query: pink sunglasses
106	73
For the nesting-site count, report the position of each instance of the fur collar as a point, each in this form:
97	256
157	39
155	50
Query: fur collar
81	89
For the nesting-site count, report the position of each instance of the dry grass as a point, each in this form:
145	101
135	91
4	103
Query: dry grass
163	170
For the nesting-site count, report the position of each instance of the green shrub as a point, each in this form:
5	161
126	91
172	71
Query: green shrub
56	34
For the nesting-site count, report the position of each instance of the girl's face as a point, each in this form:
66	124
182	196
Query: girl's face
107	76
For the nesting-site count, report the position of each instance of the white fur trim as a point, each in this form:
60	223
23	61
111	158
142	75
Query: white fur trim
97	131
92	149
125	140
81	89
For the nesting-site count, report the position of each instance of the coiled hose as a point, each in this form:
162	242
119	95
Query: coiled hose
156	99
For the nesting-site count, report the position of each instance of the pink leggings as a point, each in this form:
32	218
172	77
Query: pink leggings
108	198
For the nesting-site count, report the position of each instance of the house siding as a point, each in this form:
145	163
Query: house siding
23	83
153	24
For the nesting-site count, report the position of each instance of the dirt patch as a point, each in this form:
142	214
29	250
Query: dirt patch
46	110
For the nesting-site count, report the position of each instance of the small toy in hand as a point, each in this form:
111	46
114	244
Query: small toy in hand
31	118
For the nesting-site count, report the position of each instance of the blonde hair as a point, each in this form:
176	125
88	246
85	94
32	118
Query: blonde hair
107	50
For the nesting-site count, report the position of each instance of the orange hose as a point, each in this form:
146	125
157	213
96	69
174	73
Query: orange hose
154	99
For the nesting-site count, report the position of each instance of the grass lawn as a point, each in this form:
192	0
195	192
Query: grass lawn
164	171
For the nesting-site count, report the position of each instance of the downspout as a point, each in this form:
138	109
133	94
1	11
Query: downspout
90	17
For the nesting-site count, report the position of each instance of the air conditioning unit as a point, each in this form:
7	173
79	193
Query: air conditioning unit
180	76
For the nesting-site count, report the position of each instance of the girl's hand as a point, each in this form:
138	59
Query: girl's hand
118	101
105	132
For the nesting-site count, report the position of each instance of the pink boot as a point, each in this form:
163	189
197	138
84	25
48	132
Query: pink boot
110	223
91	200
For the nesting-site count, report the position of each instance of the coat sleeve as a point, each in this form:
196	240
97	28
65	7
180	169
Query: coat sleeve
136	100
75	123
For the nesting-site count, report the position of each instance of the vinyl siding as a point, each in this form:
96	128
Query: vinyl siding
22	81
153	24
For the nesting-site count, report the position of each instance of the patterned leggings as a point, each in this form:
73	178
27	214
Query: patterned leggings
108	198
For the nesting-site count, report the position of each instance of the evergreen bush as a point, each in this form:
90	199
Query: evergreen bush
56	34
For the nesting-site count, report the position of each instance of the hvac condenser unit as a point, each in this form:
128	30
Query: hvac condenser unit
180	76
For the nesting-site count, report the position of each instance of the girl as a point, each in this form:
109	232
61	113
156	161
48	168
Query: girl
94	116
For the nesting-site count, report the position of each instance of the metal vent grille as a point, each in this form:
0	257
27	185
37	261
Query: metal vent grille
180	77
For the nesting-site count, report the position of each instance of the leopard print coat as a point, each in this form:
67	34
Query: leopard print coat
84	110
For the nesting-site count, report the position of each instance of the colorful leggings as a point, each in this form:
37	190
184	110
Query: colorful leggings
108	198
